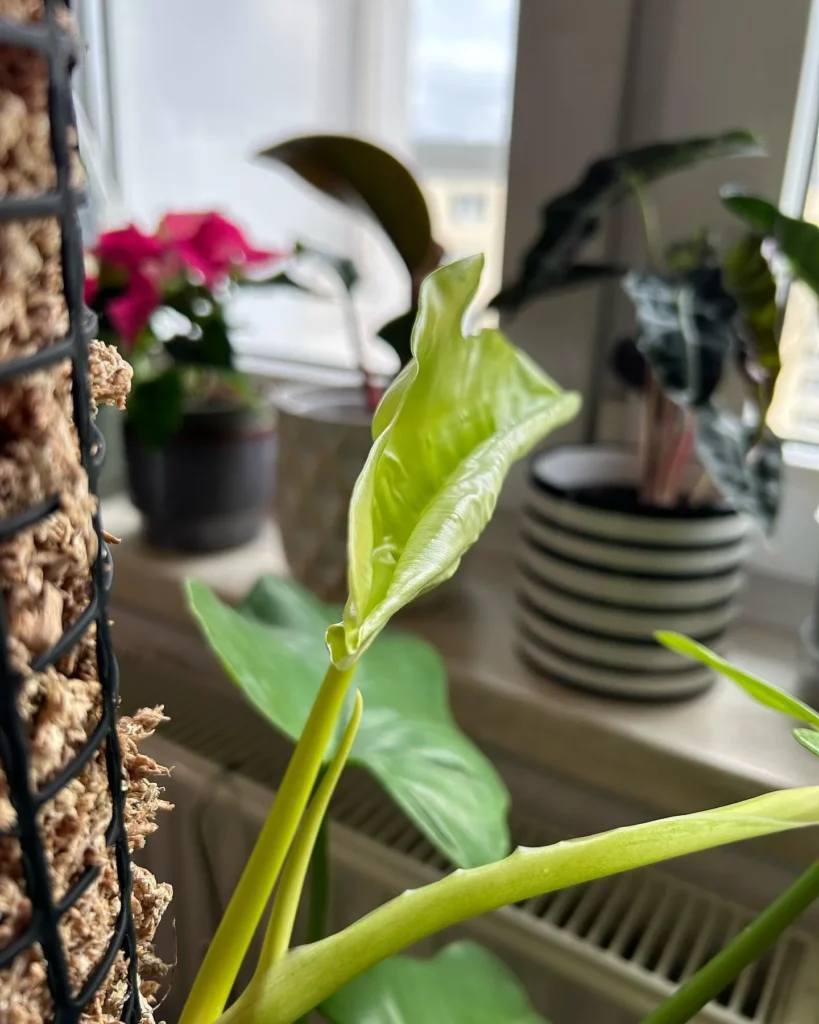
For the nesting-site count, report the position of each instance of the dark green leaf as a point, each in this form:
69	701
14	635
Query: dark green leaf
747	277
155	407
398	334
463	984
796	240
762	692
368	179
809	738
746	469
446	433
569	220
685	324
212	348
273	647
692	253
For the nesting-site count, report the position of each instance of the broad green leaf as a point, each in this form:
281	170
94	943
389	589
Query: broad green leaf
368	179
763	693
809	738
311	974
463	984
747	276
572	218
273	647
446	432
796	240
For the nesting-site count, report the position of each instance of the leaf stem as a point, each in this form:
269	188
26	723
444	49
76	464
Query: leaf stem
651	223
317	910
221	965
309	974
748	946
286	904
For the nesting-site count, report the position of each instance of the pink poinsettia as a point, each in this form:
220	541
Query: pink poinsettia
209	244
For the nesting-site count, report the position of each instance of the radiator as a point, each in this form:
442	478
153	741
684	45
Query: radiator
606	951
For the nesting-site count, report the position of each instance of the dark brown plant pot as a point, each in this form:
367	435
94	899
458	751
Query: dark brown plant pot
210	487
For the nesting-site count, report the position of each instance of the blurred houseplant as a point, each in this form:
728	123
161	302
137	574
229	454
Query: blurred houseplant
199	441
325	432
620	543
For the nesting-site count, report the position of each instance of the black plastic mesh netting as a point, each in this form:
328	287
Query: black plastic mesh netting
60	49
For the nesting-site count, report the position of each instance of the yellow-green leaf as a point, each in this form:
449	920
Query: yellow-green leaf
762	692
447	431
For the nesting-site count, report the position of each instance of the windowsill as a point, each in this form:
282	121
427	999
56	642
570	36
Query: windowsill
669	758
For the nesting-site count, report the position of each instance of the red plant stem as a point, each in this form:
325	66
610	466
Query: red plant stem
648	439
677	462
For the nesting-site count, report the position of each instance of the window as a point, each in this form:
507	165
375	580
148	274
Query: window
182	95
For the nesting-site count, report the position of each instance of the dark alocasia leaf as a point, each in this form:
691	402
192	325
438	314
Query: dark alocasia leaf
796	240
569	220
273	647
446	432
398	334
747	276
463	984
747	469
366	178
155	407
685	330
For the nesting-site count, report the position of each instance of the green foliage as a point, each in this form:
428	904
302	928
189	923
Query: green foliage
446	433
463	984
762	692
747	276
809	738
571	219
310	974
796	240
155	407
272	646
367	179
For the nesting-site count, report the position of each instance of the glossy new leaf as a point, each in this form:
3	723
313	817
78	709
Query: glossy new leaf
446	432
366	178
572	218
746	467
273	647
796	240
311	974
463	984
762	692
685	330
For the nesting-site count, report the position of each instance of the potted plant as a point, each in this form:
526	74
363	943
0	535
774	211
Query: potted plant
199	440
325	433
621	542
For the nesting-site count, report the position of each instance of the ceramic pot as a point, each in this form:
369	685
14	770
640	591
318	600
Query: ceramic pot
210	487
599	573
324	439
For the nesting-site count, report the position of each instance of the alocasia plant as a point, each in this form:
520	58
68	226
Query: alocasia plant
445	434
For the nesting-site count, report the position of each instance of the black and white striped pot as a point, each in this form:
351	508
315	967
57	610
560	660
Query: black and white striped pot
599	573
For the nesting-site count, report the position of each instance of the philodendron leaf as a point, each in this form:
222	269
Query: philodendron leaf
809	738
272	646
685	323
446	432
463	984
368	179
745	467
796	240
572	218
763	693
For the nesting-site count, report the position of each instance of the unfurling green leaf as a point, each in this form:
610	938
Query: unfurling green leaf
762	692
311	974
685	330
463	984
446	433
796	240
367	179
272	646
572	218
746	467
